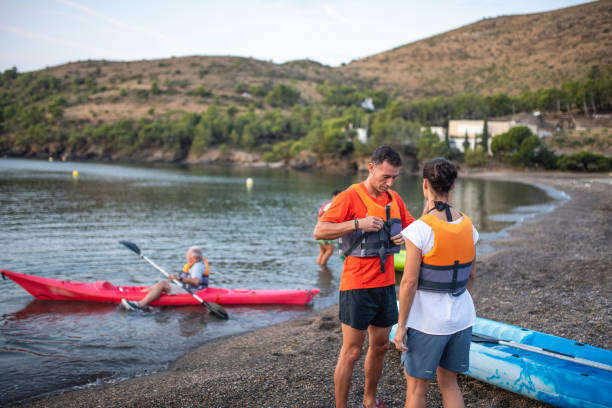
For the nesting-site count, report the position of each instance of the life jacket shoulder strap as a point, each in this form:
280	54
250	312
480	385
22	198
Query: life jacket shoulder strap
188	266
372	206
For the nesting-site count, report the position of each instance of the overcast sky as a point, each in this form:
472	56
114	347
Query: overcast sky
39	33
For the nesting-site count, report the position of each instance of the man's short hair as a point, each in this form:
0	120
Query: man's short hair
195	251
388	154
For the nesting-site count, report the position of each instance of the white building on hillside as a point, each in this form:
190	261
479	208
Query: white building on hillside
362	135
457	129
368	103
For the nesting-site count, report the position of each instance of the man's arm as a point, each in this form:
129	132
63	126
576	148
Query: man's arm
188	280
333	230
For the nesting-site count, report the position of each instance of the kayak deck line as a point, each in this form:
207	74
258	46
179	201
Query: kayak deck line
481	338
104	291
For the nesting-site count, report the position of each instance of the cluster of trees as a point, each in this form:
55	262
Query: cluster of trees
351	95
519	146
32	107
589	95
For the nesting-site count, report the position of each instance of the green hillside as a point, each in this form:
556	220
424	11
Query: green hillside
204	108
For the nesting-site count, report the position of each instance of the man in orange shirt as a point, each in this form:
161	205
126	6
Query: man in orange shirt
368	217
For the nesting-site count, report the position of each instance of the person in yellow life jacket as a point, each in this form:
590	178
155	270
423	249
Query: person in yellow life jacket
436	311
195	275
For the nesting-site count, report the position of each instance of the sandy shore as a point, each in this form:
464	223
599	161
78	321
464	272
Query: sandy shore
549	275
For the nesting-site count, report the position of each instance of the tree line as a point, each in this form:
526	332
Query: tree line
32	107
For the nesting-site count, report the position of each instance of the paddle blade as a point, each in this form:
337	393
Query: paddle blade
131	246
217	311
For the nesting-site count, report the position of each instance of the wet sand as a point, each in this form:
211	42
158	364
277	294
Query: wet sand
549	275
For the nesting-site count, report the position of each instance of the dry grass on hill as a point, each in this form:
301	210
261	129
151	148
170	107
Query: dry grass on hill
179	79
503	54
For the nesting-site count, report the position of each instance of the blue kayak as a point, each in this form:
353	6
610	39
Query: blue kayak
551	369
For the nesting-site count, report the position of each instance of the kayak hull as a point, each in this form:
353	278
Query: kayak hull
548	379
103	291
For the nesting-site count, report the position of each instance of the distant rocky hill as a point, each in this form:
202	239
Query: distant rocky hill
503	54
133	89
206	108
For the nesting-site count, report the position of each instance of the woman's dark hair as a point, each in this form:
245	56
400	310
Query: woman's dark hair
441	174
388	154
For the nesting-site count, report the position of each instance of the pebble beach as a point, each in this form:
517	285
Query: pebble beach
549	274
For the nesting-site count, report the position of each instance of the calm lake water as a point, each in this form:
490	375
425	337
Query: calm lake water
57	226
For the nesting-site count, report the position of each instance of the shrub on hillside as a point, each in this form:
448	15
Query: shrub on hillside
56	107
340	95
269	157
283	96
517	146
585	161
429	146
545	157
476	157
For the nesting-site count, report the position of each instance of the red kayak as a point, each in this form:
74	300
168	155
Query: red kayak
103	291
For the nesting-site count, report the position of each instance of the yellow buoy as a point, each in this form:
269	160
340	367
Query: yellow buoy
249	183
75	174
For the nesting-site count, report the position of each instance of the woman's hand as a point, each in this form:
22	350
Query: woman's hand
398	239
400	339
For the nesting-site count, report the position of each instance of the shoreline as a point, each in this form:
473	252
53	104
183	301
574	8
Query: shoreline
535	279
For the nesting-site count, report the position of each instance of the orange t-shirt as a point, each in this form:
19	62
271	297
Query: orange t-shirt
363	273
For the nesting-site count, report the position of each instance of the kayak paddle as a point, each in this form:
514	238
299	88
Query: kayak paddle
218	311
481	338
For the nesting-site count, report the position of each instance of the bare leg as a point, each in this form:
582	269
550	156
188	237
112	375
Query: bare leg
321	253
451	394
416	391
379	344
154	292
352	340
328	250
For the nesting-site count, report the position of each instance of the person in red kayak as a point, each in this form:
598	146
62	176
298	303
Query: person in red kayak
326	246
368	217
195	274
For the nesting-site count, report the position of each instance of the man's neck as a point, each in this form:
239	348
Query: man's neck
370	189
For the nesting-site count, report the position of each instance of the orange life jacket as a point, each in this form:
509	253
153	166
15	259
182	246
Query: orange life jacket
203	282
188	266
446	267
363	244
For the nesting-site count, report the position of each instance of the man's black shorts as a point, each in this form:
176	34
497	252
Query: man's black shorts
360	308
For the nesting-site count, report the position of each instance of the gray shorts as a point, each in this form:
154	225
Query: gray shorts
427	351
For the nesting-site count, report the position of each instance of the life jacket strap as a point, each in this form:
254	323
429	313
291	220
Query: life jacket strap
452	267
452	285
443	286
355	244
442	206
375	243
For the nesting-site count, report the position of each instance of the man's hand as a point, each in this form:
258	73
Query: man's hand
400	338
398	239
370	224
172	277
